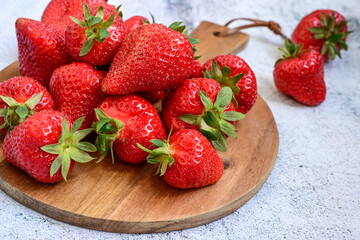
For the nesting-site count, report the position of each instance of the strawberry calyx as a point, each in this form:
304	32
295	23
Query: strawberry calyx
160	155
290	51
96	28
222	77
214	122
15	112
107	129
332	35
176	26
69	147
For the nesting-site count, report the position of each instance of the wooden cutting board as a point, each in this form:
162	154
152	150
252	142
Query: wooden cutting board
128	198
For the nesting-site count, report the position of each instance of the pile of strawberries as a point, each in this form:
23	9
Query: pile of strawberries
84	71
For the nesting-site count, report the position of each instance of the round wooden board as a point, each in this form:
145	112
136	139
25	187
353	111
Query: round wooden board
127	198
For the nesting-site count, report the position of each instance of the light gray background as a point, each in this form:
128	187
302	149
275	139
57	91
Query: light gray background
314	189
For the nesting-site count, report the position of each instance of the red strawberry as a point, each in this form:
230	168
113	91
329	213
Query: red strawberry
187	160
44	143
96	39
152	57
233	71
193	106
152	96
124	121
58	12
300	74
41	49
134	22
77	91
20	98
324	31
197	71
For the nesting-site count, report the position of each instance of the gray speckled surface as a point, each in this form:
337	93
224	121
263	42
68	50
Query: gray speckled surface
314	189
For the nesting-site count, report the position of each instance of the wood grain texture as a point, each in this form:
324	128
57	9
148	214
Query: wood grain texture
127	198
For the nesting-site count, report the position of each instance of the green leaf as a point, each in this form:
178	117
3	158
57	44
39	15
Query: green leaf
100	124
319	36
343	45
86	146
6	116
219	145
100	143
52	148
324	21
100	12
175	25
10	101
65	126
331	53
193	40
144	149
232	116
100	114
78	22
316	30
109	22
197	57
158	143
87	46
34	100
65	166
227	128
86	10
79	135
56	164
209	133
223	98
216	70
211	120
205	100
94	21
104	34
80	156
22	111
225	71
190	118
335	37
76	125
340	26
235	102
207	74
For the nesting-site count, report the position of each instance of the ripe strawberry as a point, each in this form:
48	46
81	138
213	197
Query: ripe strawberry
124	121
152	57
193	106
186	160
20	98
324	31
44	143
58	12
77	91
96	39
300	74
134	22
152	96
233	71
41	49
197	71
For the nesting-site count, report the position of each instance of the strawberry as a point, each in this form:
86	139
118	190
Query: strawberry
134	22
152	57
186	160
96	39
58	12
152	96
41	49
124	121
324	31
20	98
300	74
193	106
77	91
44	143
233	71
197	71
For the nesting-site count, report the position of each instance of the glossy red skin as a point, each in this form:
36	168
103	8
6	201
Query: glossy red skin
101	53
22	145
41	49
76	91
22	89
186	100
152	57
247	84
134	22
196	161
152	96
302	34
302	78
197	71
58	12
141	124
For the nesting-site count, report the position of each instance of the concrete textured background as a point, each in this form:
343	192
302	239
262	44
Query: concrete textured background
314	189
